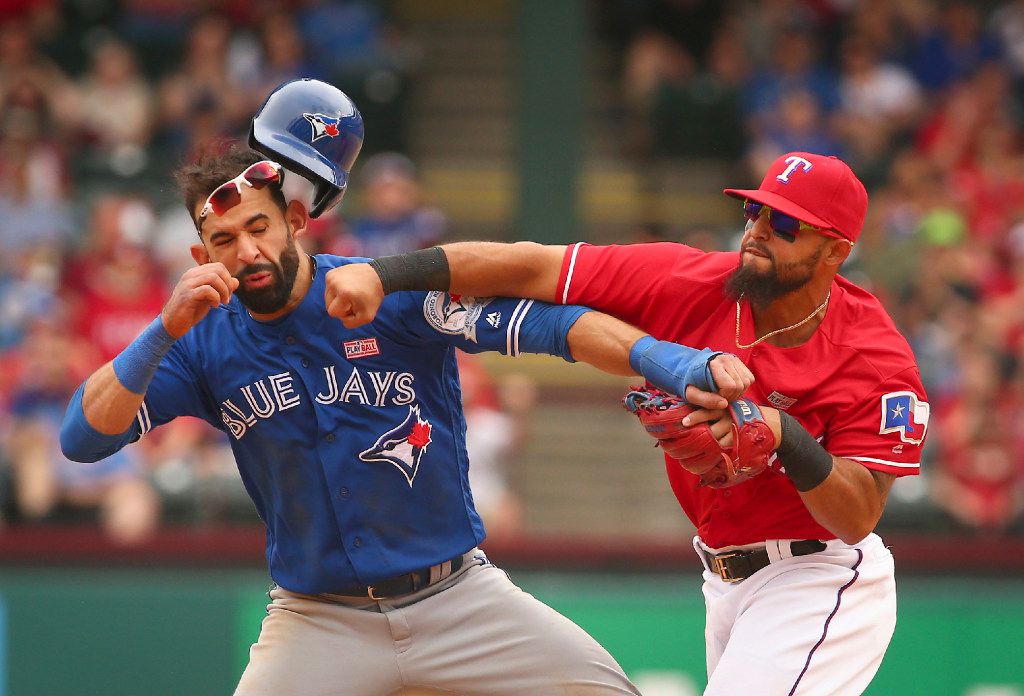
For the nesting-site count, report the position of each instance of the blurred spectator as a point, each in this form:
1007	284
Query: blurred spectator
1007	24
655	70
34	182
28	289
795	69
395	219
284	53
879	105
112	286
798	126
199	101
980	481
698	115
21	64
48	487
368	57
496	419
115	109
950	134
763	23
991	186
953	47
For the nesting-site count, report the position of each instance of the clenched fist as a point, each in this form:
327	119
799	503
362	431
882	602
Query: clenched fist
354	294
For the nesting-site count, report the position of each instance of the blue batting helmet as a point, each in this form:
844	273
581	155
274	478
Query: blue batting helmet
314	129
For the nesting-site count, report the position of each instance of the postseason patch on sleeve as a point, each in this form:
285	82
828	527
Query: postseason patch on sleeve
454	314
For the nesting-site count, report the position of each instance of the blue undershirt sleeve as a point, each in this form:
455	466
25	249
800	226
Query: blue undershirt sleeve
81	442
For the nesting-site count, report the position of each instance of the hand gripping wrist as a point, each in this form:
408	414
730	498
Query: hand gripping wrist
426	269
807	462
672	367
136	364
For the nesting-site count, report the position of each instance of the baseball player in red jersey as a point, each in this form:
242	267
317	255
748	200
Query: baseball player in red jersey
800	592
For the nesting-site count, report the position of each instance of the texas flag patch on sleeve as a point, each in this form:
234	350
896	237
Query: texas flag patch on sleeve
903	413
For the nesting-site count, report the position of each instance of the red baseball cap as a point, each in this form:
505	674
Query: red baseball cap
819	190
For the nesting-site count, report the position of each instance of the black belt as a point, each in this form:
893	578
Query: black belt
405	584
733	566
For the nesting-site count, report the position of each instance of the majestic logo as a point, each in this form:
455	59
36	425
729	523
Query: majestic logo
403	446
323	126
902	413
780	401
454	314
361	348
794	163
494	319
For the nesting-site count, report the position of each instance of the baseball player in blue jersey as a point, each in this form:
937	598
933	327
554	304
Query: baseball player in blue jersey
351	444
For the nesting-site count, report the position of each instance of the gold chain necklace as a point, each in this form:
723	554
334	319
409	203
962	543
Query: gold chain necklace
768	335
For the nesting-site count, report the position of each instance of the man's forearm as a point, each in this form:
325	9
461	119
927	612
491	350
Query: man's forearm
109	407
842	495
489	269
850	501
604	342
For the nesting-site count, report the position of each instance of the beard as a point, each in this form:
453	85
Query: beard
761	288
273	297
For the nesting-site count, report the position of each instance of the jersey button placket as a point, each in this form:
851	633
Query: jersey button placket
344	491
330	437
290	340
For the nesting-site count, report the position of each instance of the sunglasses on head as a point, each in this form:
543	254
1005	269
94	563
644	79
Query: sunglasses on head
229	194
784	226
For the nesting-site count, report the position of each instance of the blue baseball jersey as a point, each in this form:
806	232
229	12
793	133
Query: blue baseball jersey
351	443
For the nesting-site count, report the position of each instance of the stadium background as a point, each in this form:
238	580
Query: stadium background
604	120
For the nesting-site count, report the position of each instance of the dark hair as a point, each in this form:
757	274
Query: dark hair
198	179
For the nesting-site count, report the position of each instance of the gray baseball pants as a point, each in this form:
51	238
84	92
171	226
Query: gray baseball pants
473	633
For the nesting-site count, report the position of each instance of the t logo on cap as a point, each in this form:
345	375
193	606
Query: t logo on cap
793	163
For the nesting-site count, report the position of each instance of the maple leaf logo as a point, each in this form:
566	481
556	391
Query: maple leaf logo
420	436
332	130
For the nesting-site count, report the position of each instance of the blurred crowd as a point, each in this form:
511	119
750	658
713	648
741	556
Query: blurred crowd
100	100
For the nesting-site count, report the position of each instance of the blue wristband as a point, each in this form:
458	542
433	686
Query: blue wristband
136	364
672	367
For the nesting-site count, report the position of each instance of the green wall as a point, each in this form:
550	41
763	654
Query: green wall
153	632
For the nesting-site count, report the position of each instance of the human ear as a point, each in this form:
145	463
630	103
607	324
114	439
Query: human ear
297	217
839	250
199	254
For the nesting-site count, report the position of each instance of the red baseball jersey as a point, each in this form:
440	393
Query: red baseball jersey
854	384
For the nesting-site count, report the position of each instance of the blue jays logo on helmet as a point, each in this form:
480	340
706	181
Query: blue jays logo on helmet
403	446
323	126
313	129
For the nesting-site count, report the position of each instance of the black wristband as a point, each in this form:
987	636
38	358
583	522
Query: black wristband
426	269
807	462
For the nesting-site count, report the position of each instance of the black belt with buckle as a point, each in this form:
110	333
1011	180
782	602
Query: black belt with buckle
733	566
405	584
